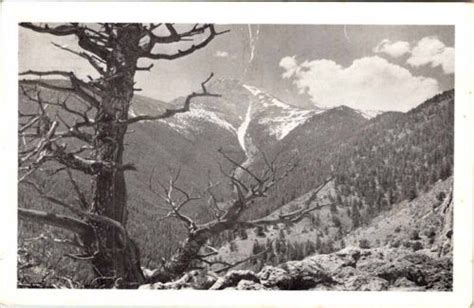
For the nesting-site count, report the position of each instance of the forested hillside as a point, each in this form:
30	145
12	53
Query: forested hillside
374	164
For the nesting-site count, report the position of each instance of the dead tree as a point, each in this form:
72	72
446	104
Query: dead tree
248	187
100	107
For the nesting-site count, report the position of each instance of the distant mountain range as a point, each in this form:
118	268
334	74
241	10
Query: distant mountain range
252	115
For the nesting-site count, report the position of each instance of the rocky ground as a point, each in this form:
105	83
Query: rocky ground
350	269
415	254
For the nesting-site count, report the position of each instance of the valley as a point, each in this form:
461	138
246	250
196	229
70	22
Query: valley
387	172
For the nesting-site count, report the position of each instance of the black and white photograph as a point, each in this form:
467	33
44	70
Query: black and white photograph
235	156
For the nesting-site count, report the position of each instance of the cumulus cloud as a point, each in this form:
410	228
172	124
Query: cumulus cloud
427	51
394	49
430	50
368	83
221	54
290	66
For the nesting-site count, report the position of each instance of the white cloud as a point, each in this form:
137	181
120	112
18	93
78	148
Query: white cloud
221	54
290	65
394	49
430	50
368	83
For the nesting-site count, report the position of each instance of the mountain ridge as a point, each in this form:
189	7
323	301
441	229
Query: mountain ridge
375	163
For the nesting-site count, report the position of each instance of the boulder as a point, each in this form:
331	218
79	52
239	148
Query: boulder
249	285
271	276
294	275
232	278
350	269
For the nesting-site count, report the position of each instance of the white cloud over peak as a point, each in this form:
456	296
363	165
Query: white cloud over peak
368	83
427	51
394	49
221	54
430	50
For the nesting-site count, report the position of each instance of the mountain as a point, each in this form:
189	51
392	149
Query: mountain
254	117
377	161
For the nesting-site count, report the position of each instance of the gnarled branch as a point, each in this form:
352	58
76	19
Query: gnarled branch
78	87
176	203
61	221
171	112
174	36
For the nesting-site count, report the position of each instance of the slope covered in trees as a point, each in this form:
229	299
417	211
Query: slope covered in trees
392	158
374	163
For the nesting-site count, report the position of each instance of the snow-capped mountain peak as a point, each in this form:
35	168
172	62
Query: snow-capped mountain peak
279	118
266	99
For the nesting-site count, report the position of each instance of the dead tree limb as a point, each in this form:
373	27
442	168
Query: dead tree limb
229	219
60	221
171	112
114	51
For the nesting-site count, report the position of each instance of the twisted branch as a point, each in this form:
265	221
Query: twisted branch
171	112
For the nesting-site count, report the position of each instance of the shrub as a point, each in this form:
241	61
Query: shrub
412	194
441	196
259	232
233	247
430	233
414	235
417	246
398	229
364	243
395	244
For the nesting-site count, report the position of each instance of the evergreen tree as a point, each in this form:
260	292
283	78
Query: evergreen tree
355	216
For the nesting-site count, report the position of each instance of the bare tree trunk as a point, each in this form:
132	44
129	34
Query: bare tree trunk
118	258
182	259
113	50
189	250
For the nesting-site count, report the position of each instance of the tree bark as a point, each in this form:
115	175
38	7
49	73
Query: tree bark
181	261
113	51
117	258
57	220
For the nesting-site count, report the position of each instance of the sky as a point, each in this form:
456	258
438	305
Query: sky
362	66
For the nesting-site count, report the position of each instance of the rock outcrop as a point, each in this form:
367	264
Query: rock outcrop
350	269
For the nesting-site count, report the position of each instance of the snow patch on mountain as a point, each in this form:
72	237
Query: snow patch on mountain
200	115
285	118
245	143
369	114
281	126
266	99
185	122
242	130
